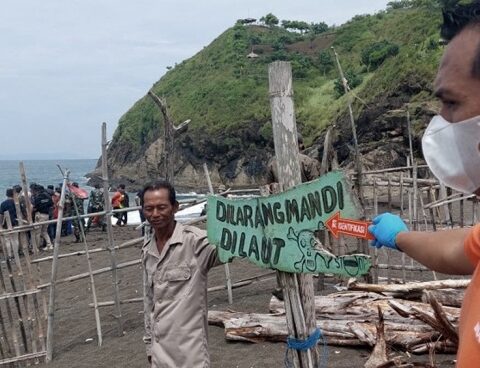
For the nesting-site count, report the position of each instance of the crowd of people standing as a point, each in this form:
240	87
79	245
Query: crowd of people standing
44	204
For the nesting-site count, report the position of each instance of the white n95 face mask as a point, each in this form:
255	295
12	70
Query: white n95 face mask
452	151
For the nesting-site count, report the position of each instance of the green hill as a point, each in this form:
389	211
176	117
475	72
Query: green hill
390	56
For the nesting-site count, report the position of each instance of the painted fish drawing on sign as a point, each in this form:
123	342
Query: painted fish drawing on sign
278	231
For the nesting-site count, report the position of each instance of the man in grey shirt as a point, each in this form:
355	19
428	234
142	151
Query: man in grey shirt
176	260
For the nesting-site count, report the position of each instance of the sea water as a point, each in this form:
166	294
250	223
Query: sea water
44	172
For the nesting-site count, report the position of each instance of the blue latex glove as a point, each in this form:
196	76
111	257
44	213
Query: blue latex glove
385	228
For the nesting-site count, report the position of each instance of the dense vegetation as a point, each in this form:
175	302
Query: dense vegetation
221	89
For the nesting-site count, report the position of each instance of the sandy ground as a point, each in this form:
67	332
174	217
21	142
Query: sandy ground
74	319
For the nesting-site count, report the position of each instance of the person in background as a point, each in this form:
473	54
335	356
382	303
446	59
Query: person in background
117	202
51	227
140	211
68	211
176	261
96	202
77	222
42	203
125	204
8	205
452	151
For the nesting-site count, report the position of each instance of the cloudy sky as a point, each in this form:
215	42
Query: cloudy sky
68	65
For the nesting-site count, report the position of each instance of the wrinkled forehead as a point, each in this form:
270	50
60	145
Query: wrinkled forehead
458	59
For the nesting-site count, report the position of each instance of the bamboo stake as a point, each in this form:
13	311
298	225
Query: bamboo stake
85	275
28	205
51	300
11	320
401	195
128	243
92	281
238	284
30	328
227	268
375	251
111	244
431	211
474	211
462	212
23	326
32	280
446	209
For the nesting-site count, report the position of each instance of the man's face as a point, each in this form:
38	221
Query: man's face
455	86
157	208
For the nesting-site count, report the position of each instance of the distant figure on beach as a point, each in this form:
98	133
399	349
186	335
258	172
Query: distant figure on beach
138	201
117	202
450	146
96	202
309	170
176	260
79	204
42	204
125	204
8	206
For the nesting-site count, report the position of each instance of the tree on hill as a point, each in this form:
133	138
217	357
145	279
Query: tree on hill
317	28
269	20
296	25
325	61
376	53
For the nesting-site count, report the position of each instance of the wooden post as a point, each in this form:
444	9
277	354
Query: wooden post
168	136
111	243
410	145
28	206
299	297
51	300
92	281
227	268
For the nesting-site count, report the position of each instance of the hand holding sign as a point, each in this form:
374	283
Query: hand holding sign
385	229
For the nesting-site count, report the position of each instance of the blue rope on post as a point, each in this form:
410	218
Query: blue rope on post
303	345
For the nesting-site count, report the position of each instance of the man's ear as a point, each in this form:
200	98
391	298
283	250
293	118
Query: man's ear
176	206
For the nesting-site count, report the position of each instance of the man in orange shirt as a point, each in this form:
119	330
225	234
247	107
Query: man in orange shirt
117	202
451	146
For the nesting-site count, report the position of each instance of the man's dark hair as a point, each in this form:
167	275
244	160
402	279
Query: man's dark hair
160	184
460	17
17	188
9	193
121	186
50	187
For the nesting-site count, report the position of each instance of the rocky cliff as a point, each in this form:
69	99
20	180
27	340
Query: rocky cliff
390	59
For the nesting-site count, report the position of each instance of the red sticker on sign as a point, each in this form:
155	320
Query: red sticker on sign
359	229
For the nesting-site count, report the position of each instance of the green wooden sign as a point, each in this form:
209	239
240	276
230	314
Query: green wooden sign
278	231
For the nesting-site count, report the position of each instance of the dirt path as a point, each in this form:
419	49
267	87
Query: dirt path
74	320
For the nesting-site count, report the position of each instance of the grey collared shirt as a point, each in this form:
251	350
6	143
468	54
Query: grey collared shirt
175	298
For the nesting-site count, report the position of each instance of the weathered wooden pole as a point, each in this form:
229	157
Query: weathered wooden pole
227	267
92	280
28	206
111	243
362	244
168	136
53	278
298	289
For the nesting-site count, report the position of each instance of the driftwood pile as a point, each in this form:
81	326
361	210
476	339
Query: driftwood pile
352	317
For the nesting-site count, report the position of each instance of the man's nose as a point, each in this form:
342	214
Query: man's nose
156	212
